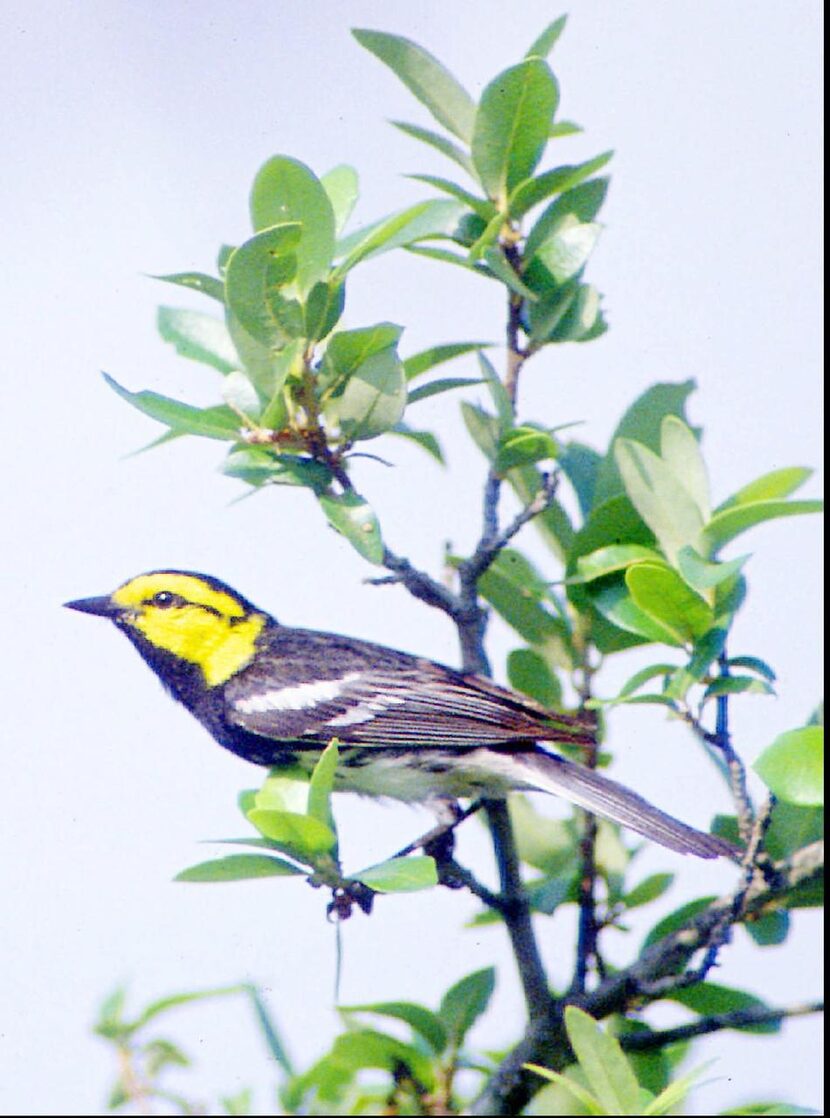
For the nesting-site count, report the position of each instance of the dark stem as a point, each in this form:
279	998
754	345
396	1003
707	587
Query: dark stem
517	913
545	1042
737	773
737	1019
588	932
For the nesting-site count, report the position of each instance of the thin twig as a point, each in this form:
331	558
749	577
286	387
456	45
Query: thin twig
421	585
545	1041
488	548
455	875
736	1019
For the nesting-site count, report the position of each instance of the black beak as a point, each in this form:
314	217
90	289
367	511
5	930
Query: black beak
103	607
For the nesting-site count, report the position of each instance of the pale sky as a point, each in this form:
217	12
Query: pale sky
131	133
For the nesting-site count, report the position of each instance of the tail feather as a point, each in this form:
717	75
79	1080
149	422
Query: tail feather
602	796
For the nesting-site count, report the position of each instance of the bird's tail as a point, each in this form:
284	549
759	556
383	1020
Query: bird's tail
602	796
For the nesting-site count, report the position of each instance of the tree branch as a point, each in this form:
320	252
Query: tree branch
736	1019
516	913
420	585
545	1041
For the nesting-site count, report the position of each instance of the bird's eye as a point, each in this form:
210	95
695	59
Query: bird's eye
165	599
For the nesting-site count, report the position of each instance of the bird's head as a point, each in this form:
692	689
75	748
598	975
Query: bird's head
192	617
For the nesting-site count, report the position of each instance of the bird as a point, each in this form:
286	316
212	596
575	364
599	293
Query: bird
407	728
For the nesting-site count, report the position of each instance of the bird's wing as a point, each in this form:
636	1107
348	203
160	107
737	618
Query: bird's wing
314	686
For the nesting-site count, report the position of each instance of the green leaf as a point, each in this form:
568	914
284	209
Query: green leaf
566	252
365	1048
353	517
347	350
730	522
211	423
422	1020
535	190
286	191
110	1021
737	685
197	281
256	272
565	128
240	395
648	890
580	464
680	450
173	1001
793	827
501	268
545	315
549	845
577	206
420	363
373	400
483	235
511	126
770	929
201	337
300	836
710	999
706	650
614	557
342	187
764	1108
482	427
543	44
436	387
769	487
514	590
642	423
521	446
400	875
664	596
465	1002
669	1099
660	497
267	366
793	766
424	439
160	1054
321	786
498	394
582	320
640	678
261	467
323	309
677	919
603	1061
443	256
616	604
437	141
426	78
238	867
436	217
282	790
269	1030
754	664
611	522
702	575
576	1093
529	672
480	206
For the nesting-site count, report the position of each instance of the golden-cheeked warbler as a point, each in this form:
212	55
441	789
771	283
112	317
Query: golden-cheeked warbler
409	729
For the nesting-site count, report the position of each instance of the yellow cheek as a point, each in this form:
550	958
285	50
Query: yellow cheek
200	637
